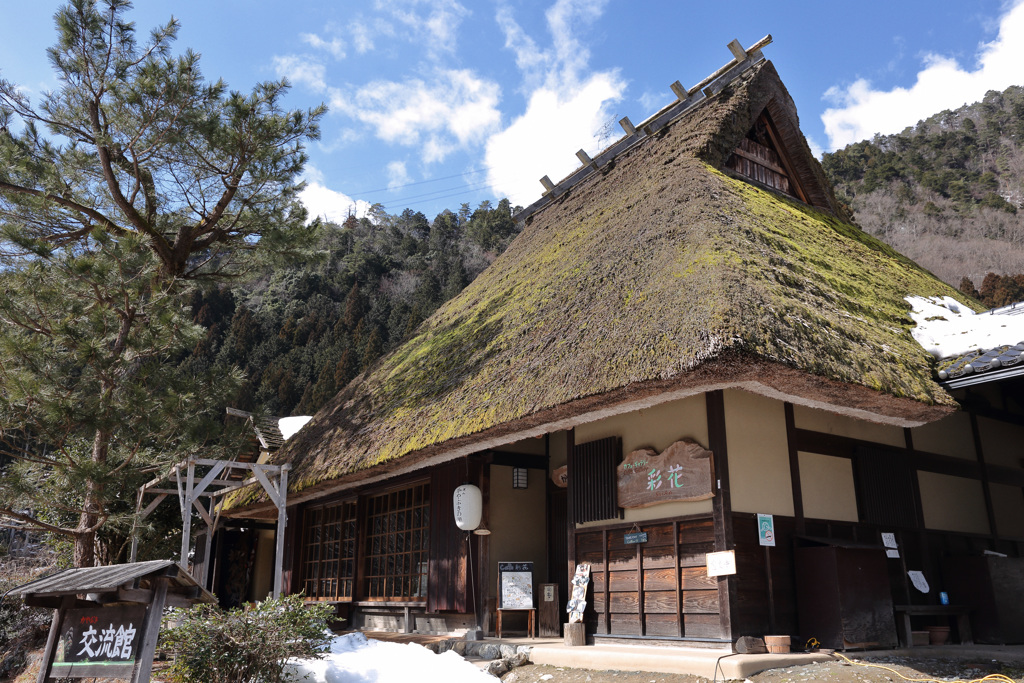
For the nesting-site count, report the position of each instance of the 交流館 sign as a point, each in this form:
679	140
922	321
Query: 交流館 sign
99	642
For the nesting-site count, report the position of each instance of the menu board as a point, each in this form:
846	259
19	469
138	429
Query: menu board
578	597
515	580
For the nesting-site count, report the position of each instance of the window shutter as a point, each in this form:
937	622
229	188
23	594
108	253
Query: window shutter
595	484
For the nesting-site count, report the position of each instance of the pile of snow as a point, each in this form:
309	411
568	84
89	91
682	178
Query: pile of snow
354	659
290	425
947	328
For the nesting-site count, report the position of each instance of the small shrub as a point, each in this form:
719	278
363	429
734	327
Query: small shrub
245	645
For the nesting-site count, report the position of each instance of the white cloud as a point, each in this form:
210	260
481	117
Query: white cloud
456	109
362	36
543	141
302	70
568	108
323	202
335	46
436	28
398	175
942	84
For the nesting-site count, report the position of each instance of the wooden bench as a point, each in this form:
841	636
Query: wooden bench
904	612
531	621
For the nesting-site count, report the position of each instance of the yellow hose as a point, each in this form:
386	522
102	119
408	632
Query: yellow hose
991	677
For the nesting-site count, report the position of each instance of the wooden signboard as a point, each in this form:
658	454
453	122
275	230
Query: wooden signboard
516	584
683	471
99	642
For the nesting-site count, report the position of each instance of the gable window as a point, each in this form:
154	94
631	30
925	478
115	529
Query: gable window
396	544
329	552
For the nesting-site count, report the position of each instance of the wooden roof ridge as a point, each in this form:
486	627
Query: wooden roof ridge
686	100
266	428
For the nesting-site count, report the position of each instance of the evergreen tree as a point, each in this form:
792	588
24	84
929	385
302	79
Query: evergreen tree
140	158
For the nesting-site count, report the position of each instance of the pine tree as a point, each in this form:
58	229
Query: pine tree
133	155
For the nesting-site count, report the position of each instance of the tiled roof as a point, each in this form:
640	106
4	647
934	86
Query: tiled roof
994	364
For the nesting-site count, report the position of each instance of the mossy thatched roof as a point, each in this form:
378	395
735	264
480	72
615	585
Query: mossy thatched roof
659	274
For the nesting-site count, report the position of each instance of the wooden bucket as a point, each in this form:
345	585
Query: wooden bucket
778	645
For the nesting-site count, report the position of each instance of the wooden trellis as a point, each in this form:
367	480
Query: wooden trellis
197	480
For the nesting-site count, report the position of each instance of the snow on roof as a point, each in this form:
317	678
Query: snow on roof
354	659
290	425
947	328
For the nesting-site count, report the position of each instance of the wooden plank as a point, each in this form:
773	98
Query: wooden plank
677	579
656	558
659	602
696	578
702	626
606	577
570	518
590	542
986	491
620	559
701	602
661	579
661	625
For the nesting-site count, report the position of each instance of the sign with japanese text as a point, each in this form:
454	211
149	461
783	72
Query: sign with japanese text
636	537
99	642
722	563
683	471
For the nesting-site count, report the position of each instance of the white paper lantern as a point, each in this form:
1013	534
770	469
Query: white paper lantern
468	504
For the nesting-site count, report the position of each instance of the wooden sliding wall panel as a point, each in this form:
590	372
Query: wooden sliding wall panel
449	565
699	599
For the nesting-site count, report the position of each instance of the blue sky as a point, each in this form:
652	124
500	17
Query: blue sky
438	102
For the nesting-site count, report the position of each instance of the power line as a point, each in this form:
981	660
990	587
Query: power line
392	188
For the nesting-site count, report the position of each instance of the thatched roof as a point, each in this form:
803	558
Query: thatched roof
661	276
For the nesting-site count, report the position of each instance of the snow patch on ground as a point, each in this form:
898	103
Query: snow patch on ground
355	659
947	328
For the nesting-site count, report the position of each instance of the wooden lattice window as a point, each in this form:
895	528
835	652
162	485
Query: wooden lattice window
329	552
397	543
760	157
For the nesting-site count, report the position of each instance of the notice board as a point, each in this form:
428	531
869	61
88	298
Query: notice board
515	585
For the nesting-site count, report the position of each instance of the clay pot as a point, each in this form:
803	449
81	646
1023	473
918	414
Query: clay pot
938	635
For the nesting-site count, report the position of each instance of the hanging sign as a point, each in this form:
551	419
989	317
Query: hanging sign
721	563
636	537
99	642
683	471
766	530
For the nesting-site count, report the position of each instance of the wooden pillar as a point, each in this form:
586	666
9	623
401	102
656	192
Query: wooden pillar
794	470
186	514
53	637
979	451
282	524
721	503
154	614
570	514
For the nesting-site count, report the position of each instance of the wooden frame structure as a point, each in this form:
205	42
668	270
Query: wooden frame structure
197	478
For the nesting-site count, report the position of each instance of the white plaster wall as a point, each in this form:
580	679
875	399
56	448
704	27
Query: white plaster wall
518	524
949	436
1002	443
759	476
953	503
841	425
826	486
1008	506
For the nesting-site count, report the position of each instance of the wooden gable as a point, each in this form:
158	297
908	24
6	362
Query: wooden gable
762	158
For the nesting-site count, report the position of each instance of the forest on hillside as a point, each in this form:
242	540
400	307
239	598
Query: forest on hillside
948	192
302	334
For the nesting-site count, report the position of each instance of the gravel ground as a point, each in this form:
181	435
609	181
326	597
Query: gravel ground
833	672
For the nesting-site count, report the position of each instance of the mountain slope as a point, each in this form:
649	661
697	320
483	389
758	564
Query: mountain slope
948	192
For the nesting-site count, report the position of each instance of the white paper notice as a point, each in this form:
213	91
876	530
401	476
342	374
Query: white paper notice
892	552
920	583
889	541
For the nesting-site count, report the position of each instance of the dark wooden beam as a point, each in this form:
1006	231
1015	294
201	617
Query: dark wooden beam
980	452
794	469
533	462
721	503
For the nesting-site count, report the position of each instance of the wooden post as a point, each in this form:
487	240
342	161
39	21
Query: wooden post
186	514
154	614
721	503
53	638
570	513
282	523
575	634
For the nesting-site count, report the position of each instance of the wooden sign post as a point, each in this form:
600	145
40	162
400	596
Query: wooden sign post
113	633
